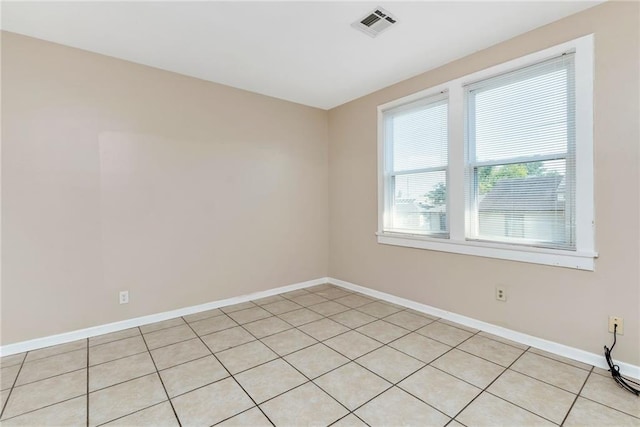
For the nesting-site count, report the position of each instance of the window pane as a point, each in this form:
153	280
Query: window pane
525	203
419	137
420	203
525	113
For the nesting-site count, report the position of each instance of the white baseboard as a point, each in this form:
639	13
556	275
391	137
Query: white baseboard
542	344
552	347
79	334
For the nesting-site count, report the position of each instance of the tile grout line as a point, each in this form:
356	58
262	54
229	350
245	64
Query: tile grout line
87	382
485	359
485	390
42	407
504	341
182	341
458	378
14	364
126	381
350	413
292	327
309	380
234	379
267	362
134	412
316	341
393	384
609	407
214	331
231	327
470	354
48	378
576	399
97	346
201	313
225	313
140	332
112	340
160	377
200	386
42	379
405	391
324	373
119	358
560	361
453	420
226	309
15	380
524	409
292	352
238	345
548	383
593	372
396	384
46	406
350	328
429	364
350	360
260	339
239	413
47	357
355	330
393	348
52	376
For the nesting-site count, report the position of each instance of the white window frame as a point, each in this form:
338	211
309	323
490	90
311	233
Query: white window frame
391	174
583	257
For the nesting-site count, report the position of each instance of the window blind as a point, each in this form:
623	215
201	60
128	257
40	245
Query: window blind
520	142
418	167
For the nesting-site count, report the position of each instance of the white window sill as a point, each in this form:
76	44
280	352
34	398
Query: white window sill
555	257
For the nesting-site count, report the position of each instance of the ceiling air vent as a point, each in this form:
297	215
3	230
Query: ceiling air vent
375	22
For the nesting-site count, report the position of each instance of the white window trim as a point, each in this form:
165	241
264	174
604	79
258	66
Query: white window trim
583	257
388	156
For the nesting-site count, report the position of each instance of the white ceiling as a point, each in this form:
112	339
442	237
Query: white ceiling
304	52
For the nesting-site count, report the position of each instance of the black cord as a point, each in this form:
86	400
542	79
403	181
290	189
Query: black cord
615	369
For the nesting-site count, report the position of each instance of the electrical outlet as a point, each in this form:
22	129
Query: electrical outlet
501	293
124	297
615	320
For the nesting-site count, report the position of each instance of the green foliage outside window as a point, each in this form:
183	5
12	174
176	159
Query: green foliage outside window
488	176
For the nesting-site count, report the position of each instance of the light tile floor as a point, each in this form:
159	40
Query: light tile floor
320	356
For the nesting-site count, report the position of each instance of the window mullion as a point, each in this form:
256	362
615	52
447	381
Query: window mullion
455	173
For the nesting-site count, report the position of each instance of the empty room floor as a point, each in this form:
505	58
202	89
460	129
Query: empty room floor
318	356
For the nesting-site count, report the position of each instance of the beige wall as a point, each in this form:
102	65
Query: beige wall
119	176
558	304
